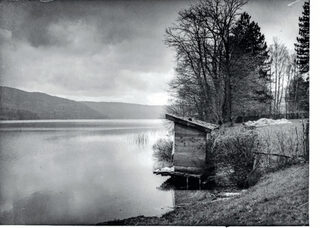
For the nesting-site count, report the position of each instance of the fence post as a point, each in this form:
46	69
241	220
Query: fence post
307	141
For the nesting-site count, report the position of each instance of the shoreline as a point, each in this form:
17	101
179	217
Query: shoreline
279	198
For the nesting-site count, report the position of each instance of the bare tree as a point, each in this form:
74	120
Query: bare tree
279	63
292	74
220	18
201	38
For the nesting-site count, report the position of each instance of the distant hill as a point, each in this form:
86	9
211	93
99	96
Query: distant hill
17	104
118	110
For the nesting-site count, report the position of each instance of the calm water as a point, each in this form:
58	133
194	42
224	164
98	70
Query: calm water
79	171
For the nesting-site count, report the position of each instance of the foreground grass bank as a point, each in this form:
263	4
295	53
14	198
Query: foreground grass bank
279	198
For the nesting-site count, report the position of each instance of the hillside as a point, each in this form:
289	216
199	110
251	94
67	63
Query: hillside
117	110
17	104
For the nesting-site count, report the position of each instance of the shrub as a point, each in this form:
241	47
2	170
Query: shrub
232	155
237	155
162	151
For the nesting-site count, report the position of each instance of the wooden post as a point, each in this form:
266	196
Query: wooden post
199	183
187	182
307	141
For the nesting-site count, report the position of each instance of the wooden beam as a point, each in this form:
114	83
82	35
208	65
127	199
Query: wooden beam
176	173
188	123
280	155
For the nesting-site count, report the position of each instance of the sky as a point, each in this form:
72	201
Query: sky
108	50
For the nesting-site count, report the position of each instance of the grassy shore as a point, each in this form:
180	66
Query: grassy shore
279	198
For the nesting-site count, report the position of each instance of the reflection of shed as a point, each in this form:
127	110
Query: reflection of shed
190	142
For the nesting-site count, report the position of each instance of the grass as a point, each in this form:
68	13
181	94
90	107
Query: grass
162	152
286	139
279	198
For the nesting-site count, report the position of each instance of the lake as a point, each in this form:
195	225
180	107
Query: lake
79	171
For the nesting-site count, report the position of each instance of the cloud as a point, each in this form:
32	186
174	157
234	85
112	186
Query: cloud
76	71
102	50
105	50
276	19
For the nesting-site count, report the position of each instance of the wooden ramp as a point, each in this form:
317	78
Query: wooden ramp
176	173
172	173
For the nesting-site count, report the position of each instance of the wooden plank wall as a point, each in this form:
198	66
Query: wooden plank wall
190	149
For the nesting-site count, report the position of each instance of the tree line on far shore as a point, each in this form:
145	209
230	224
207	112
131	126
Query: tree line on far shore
225	69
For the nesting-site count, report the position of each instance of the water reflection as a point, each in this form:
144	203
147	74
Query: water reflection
41	208
82	175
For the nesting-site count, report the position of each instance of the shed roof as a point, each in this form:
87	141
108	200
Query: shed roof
191	122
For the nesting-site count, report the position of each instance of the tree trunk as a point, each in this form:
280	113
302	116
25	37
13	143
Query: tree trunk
227	99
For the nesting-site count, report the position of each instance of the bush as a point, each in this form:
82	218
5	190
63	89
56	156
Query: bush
232	155
162	151
239	156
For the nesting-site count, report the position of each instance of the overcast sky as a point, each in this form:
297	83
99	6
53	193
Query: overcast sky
107	50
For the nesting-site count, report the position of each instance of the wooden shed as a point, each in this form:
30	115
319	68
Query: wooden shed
190	142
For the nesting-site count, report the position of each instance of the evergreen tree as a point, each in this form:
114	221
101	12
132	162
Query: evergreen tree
303	41
299	86
250	67
298	96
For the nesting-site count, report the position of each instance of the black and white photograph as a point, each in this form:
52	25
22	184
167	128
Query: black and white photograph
155	112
